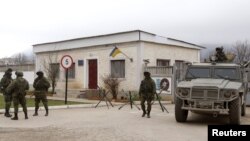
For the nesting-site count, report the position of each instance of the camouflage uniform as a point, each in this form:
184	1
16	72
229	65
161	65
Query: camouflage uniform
19	87
146	93
5	81
41	85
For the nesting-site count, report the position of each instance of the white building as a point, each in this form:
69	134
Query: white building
92	60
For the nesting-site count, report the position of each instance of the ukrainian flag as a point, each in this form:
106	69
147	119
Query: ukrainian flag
115	51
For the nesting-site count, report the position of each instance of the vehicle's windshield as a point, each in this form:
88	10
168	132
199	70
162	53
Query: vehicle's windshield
216	72
226	73
198	73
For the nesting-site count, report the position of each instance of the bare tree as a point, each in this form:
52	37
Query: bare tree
111	84
52	69
242	51
22	58
230	55
19	58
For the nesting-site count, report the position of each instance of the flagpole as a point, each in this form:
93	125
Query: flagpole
131	59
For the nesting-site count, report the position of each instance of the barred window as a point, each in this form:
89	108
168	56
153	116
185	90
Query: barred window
118	68
162	62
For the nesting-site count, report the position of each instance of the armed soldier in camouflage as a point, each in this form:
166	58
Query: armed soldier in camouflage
146	93
41	85
5	81
19	87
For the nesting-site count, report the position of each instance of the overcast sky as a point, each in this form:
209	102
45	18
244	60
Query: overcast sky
27	22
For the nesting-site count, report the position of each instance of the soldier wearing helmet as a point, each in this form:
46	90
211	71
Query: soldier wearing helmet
19	87
41	85
4	83
146	93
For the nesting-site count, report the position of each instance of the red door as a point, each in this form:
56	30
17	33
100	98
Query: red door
93	74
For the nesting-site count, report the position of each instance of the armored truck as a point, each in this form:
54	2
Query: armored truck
212	88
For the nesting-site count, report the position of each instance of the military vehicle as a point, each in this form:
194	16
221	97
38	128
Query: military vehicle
212	88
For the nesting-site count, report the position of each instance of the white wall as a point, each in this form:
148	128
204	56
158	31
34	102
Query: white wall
101	53
172	53
28	75
133	73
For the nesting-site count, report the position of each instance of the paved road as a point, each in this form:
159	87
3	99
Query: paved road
101	124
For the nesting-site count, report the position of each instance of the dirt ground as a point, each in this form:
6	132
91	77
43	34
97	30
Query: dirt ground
102	124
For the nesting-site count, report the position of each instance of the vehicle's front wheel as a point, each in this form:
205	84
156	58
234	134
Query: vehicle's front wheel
235	111
180	114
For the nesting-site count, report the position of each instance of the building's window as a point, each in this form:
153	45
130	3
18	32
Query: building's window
118	68
71	71
162	62
54	70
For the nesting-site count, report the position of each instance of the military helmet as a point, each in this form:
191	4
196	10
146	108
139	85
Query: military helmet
19	73
39	73
9	70
146	73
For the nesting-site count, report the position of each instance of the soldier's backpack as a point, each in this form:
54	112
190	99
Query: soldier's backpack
42	84
22	86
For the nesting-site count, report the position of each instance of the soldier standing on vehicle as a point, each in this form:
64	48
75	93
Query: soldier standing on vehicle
5	81
220	55
146	93
19	87
41	85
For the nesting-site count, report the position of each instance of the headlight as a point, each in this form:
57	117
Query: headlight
228	93
183	92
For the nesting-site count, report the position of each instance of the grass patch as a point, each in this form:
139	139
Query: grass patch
31	102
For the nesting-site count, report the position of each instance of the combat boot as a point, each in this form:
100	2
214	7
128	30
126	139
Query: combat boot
7	113
15	117
148	114
26	115
47	112
143	114
36	113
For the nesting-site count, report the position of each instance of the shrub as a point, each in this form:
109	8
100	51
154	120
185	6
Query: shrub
111	84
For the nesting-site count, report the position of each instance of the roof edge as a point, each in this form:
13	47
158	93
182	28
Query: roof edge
110	34
186	42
